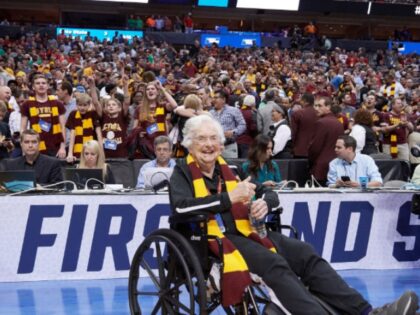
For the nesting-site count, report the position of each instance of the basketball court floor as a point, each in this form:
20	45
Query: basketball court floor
109	297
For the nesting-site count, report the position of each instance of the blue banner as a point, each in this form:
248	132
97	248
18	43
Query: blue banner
58	237
232	39
100	34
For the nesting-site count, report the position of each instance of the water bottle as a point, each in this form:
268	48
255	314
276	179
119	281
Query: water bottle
258	225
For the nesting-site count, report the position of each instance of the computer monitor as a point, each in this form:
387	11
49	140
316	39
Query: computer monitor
156	175
93	177
14	181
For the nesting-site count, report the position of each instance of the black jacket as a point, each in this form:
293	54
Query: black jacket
47	168
182	197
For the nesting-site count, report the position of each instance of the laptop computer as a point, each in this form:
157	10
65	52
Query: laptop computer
80	176
15	181
156	175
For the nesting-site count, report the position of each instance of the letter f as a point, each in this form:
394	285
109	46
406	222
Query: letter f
33	237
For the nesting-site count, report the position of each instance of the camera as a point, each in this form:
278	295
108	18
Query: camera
415	150
415	204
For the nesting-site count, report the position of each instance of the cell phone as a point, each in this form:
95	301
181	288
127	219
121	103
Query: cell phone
345	178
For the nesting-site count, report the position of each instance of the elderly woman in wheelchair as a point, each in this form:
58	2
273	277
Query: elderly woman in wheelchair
212	207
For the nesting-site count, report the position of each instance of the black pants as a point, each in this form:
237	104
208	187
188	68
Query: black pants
294	268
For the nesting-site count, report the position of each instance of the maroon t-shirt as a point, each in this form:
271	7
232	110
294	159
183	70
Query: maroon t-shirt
401	132
46	118
114	131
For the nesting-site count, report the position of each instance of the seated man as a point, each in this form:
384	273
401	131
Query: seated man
205	184
47	169
348	168
163	150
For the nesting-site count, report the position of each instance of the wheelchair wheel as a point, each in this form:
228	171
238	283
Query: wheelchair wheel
177	281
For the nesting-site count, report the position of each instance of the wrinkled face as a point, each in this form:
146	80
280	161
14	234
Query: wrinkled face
40	86
30	145
151	92
321	109
206	146
5	93
163	153
91	157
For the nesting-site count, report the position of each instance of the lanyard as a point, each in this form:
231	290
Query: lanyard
217	216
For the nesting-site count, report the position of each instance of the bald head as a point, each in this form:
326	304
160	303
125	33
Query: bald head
5	93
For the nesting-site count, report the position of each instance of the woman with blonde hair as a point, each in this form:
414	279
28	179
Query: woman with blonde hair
93	156
152	110
150	119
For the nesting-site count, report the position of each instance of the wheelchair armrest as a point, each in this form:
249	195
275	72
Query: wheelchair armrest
277	211
273	222
273	219
187	218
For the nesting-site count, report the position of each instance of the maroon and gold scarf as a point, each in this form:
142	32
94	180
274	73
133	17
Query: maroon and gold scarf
235	276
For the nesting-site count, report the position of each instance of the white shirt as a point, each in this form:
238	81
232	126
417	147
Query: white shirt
399	89
359	133
14	121
283	134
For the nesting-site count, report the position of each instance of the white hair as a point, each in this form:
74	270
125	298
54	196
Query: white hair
195	123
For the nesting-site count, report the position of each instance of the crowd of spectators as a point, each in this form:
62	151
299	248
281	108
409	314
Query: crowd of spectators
125	94
161	23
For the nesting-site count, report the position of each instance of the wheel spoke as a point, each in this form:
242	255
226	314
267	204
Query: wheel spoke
176	303
160	262
147	293
170	274
168	306
176	281
157	307
150	272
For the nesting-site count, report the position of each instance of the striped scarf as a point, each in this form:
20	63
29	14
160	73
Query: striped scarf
393	146
158	117
34	121
393	139
83	131
236	277
391	90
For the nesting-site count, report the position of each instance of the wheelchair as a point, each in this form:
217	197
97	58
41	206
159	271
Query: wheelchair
179	265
